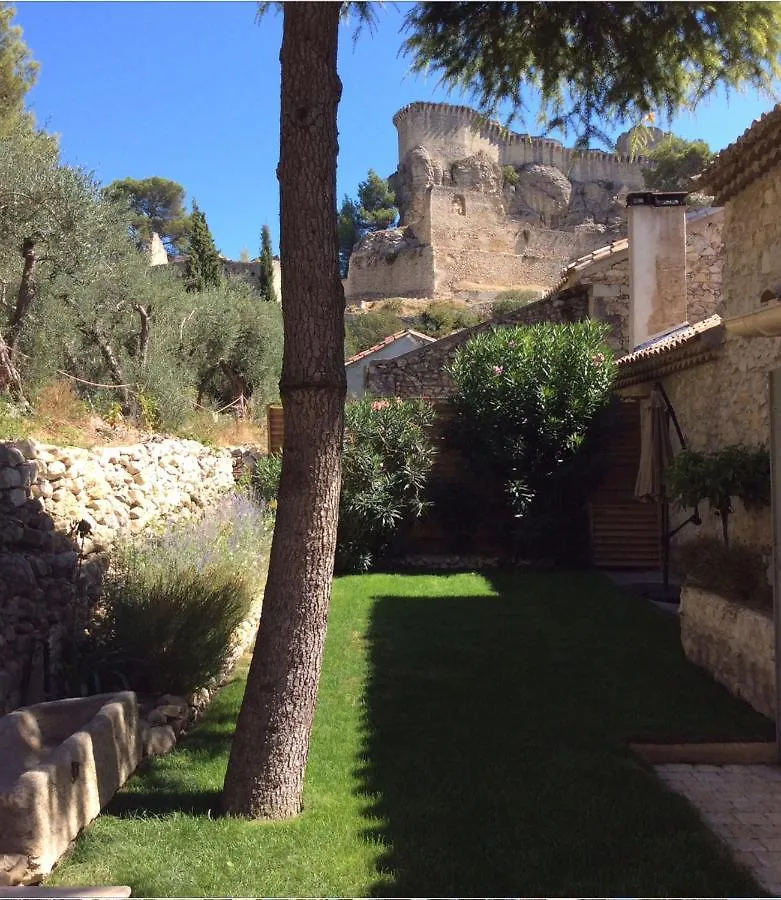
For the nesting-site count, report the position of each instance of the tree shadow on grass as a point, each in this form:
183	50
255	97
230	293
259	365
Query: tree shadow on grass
495	762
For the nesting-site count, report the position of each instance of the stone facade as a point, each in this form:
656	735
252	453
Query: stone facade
45	492
704	262
484	209
422	373
733	643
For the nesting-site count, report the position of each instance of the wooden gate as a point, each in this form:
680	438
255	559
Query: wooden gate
625	532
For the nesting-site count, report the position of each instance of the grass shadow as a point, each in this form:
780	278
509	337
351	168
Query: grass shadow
495	760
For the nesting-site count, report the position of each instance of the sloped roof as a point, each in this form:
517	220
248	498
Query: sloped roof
391	339
681	348
602	257
756	151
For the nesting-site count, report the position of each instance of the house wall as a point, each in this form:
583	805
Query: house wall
609	303
704	263
722	402
752	237
356	371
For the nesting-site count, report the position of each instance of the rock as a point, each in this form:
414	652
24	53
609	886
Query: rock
157	717
478	172
16	497
13	868
56	469
10	478
27	447
157	740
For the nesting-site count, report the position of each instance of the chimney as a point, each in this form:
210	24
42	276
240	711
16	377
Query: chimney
657	263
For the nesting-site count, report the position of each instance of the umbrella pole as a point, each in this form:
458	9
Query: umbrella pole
665	543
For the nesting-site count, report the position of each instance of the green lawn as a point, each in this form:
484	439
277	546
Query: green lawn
469	740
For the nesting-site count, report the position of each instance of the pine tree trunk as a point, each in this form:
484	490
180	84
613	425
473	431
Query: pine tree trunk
268	758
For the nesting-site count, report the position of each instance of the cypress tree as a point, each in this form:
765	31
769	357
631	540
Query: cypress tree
266	279
204	269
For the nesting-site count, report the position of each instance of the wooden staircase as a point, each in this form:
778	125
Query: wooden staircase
625	532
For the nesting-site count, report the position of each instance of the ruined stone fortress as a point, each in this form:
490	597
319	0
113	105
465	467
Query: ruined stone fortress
484	209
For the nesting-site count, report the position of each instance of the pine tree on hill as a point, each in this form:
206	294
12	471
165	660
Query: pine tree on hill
204	268
266	280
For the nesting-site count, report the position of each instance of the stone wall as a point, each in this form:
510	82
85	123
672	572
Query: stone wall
752	234
45	492
487	229
704	263
733	643
422	372
609	302
390	268
722	402
454	132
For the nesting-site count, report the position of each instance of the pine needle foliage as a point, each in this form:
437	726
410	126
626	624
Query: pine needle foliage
592	65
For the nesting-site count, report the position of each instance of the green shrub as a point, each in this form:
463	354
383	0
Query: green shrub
443	317
526	400
387	458
265	477
510	175
171	602
718	477
364	330
509	301
737	572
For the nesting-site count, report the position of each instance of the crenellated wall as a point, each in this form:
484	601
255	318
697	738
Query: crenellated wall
475	228
451	133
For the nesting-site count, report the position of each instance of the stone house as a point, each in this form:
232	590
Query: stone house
393	346
716	374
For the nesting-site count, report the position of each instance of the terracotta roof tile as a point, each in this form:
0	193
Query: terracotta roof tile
391	339
684	334
746	159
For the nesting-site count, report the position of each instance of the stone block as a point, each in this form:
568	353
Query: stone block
60	763
10	478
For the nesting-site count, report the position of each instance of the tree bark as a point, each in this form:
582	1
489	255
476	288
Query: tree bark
28	292
145	313
265	774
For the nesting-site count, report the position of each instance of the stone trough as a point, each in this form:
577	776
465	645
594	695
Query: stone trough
60	764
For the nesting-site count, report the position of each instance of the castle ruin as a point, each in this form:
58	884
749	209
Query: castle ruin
484	209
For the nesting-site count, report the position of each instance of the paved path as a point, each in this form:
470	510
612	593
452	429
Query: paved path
742	805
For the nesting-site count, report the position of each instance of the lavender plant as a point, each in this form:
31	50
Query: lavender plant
171	601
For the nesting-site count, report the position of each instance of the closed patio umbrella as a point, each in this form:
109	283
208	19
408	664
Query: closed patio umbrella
656	449
656	454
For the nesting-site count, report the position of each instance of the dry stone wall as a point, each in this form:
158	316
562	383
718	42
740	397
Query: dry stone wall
45	492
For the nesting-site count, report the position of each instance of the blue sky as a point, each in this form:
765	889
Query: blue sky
190	91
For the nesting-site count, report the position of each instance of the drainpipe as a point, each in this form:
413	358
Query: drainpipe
775	482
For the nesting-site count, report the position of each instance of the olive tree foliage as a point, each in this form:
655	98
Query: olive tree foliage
79	298
593	65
